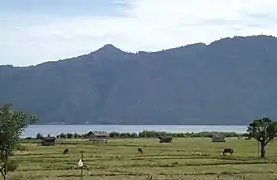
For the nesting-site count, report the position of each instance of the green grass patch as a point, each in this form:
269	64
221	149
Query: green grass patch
184	158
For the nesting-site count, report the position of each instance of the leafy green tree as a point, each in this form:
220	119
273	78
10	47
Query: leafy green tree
39	135
69	135
12	124
134	135
63	136
114	134
264	130
76	135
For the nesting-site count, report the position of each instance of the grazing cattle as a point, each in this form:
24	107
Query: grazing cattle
228	150
248	138
65	151
140	150
165	139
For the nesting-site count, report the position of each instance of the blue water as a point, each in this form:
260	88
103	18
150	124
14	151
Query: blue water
54	130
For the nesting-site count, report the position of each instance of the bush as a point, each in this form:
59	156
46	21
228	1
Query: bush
134	135
20	147
12	165
39	135
63	136
69	135
76	135
114	134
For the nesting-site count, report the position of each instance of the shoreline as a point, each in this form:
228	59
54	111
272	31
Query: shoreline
143	134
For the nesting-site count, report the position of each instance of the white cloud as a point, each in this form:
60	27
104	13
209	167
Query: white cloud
146	25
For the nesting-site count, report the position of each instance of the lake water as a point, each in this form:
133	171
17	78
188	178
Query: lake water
54	130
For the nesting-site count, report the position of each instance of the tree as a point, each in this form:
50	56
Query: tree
12	124
69	135
39	135
264	130
62	136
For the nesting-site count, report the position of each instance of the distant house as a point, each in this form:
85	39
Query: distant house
48	141
165	139
218	138
98	136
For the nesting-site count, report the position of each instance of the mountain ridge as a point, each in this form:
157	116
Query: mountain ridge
111	47
224	82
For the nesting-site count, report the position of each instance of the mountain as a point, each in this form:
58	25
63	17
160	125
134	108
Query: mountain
229	81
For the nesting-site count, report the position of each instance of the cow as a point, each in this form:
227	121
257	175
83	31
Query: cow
228	150
140	150
65	151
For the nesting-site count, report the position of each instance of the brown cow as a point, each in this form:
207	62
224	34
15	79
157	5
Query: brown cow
228	150
65	151
140	150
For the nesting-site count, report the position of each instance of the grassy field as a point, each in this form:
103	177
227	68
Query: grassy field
184	158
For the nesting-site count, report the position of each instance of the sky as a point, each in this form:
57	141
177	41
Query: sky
35	31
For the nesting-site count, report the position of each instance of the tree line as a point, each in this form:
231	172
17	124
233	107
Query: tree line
148	134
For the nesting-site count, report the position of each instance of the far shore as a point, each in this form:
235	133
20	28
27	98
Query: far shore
143	134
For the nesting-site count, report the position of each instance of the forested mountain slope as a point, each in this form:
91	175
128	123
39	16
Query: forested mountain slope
230	81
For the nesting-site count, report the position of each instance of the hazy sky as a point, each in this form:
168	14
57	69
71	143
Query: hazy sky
34	31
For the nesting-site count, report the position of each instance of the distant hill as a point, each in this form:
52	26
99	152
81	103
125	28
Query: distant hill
230	81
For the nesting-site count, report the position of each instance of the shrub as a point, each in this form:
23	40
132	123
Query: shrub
69	135
63	136
39	135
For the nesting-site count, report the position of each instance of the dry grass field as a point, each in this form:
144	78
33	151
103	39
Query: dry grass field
184	158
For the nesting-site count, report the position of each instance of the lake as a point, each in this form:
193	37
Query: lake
54	130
